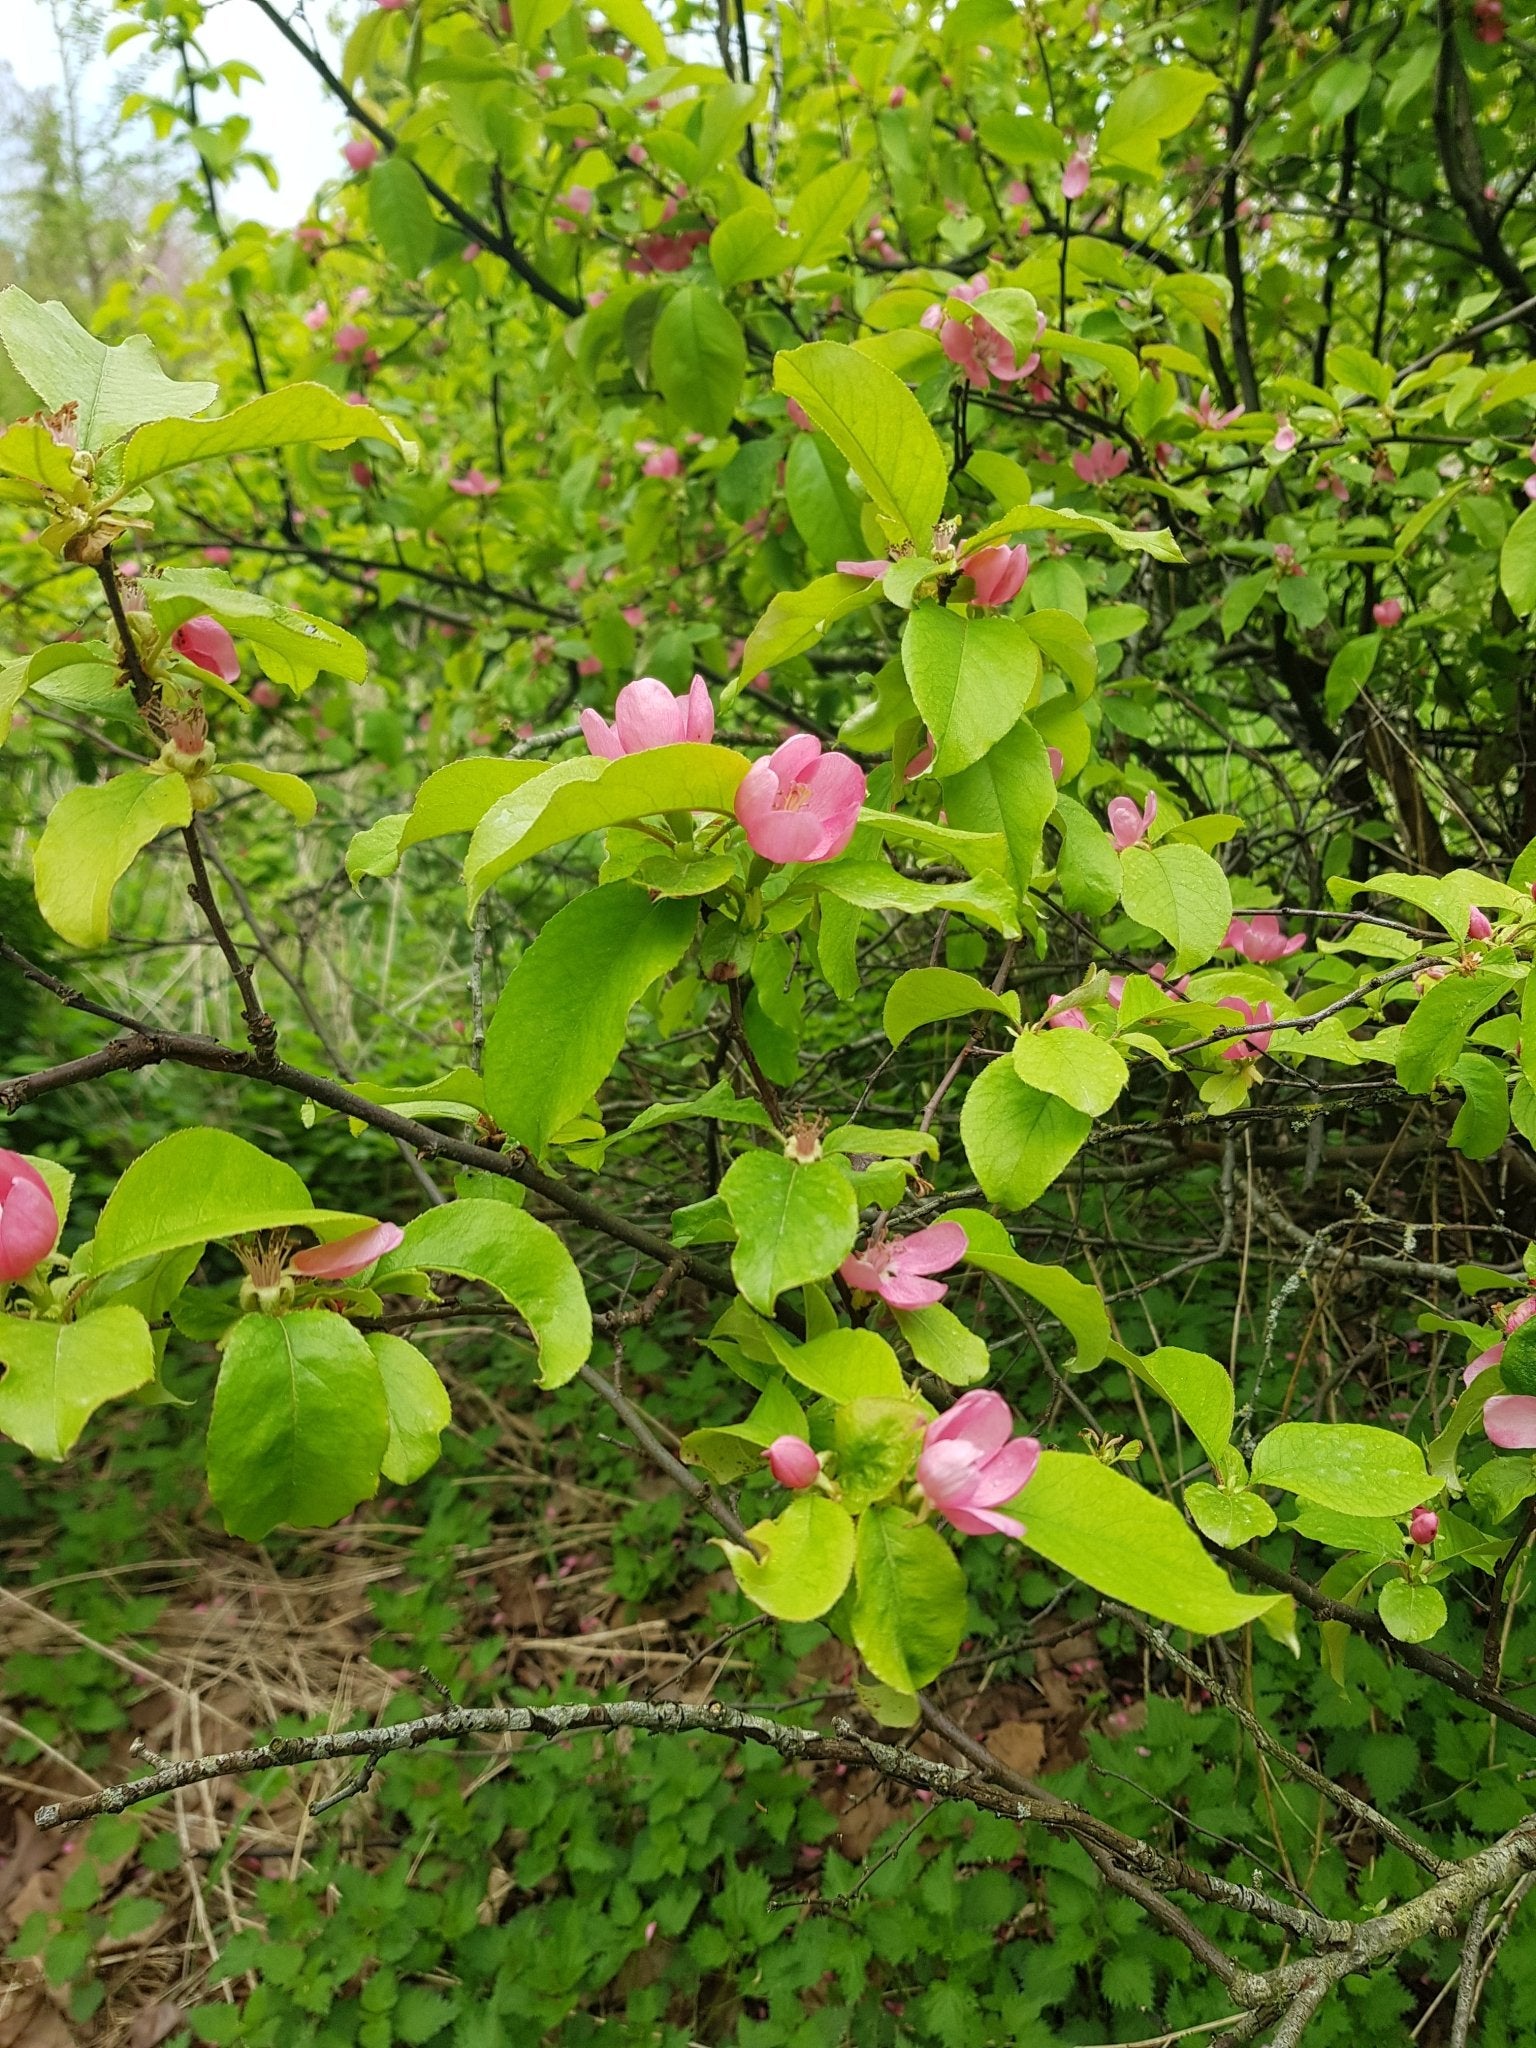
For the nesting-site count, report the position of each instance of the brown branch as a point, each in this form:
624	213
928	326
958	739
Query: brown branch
259	1027
142	682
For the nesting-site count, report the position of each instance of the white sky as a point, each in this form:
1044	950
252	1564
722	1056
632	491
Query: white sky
292	120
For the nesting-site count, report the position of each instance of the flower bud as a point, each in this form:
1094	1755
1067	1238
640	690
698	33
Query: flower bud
1423	1526
792	1462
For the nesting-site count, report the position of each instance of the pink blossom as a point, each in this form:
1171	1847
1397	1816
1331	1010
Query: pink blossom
1285	435
1075	177
392	6
792	1462
968	1466
1509	1419
921	761
1101	463
1128	826
362	152
345	1256
575	205
1387	612
474	484
897	96
1061	1015
1261	940
897	1268
1159	973
589	665
1016	193
349	340
1488	21
800	804
1423	1526
310	237
964	132
29	1222
997	573
266	696
471	252
1478	925
976	346
1114	993
1207	413
1250	1047
648	715
1058	765
633	615
317	317
667	252
206	644
871	570
216	557
659	459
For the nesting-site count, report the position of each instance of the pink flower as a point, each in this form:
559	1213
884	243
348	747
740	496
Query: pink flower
1101	463
590	665
1074	178
1114	994
633	615
1063	1016
1478	926
266	696
968	1466
344	1256
792	1462
897	1268
648	715
897	96
1488	21
667	252
799	804
1208	415
1423	1526
1508	1419
576	205
317	317
470	252
977	347
1016	193
474	484
217	558
1387	612
1261	940
1247	1048
362	153
872	570
922	760
1127	825
349	340
659	460
205	643
1058	761
29	1222
392	6
1285	435
998	574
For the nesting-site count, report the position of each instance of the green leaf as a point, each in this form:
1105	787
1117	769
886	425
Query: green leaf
699	359
632	19
561	1021
521	1258
92	837
730	1452
1180	893
1082	1068
1355	369
1088	870
873	886
299	1425
58	1374
29	453
376	849
589	795
1009	791
1517	564
116	388
1482	1122
1017	1138
909	1610
972	678
751	244
291	791
879	426
418	1405
1159	103
293	646
794	1223
1433	1037
1155	541
1195	1385
1340	88
300	415
401	216
1074	1304
1228	1518
826	209
1412	1611
1096	1523
942	1343
877	1443
824	509
805	1559
1067	644
843	1365
928	995
1348	1466
719	1102
794	622
201	1184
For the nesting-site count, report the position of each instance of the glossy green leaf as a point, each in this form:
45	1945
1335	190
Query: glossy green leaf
418	1406
1180	893
116	387
1160	102
92	837
972	678
1517	564
295	795
824	509
873	886
1017	1138
930	995
1082	1068
909	1610
729	1452
1349	1466
299	415
1195	1385
879	426
794	1223
1088	871
805	1559
794	622
400	215
698	359
1077	1306
1412	1611
293	646
1228	1518
943	1344
843	1365
1433	1037
876	1443
300	1424
1009	792
561	1020
58	1374
751	243
825	209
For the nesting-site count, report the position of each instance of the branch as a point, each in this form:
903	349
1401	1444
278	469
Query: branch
259	1027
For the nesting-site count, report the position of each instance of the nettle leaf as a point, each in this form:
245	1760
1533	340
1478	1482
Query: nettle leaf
1082	1068
300	415
1077	1306
972	678
300	1424
1017	1138
418	1405
199	1185
514	1253
699	359
1180	893
910	1605
561	1021
794	1223
1010	791
931	995
1096	1523
116	388
793	623
93	836
805	1559
589	795
1345	1465
878	425
58	1374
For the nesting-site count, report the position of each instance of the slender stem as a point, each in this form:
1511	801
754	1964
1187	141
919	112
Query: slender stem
259	1027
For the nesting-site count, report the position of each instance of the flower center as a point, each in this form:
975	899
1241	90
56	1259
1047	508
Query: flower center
796	797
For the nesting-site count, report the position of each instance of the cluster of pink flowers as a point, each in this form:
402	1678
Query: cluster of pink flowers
1261	940
29	1222
1509	1419
975	345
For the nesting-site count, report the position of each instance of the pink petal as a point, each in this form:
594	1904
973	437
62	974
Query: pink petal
1007	1472
344	1256
1510	1420
933	1250
791	760
859	1272
648	715
837	786
974	1521
1484	1362
601	737
907	1290
29	1222
701	712
946	1471
981	1418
